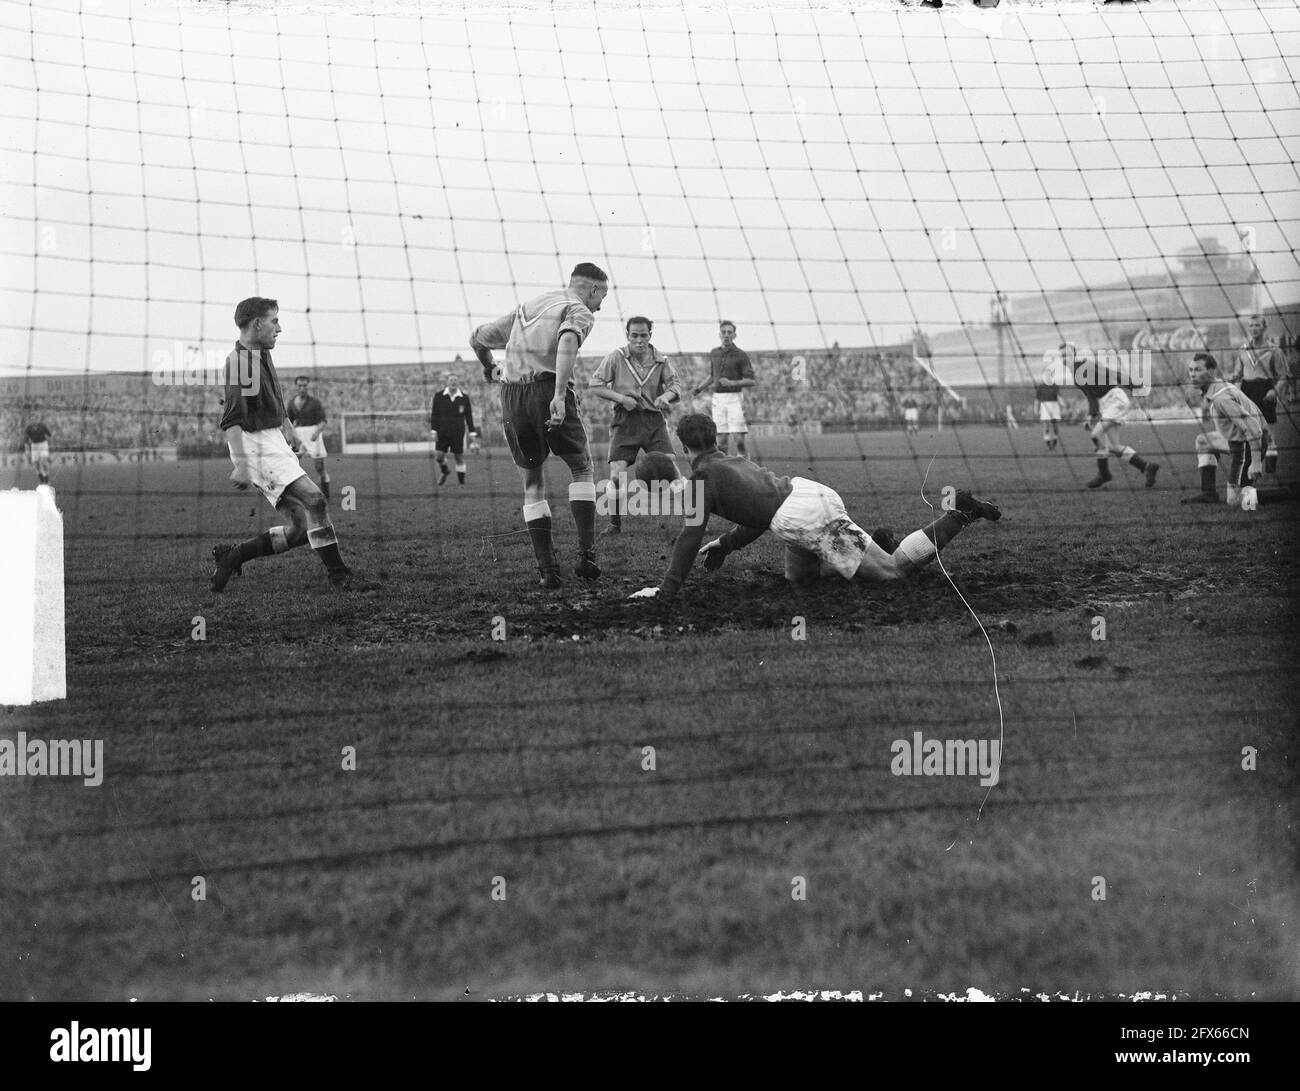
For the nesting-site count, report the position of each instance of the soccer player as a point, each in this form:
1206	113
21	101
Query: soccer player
36	438
253	424
643	386
1108	405
820	538
539	409
451	420
307	415
911	415
1238	430
1048	396
1258	367
730	375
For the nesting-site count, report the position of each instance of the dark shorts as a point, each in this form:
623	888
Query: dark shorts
451	441
1255	389
637	430
525	415
1238	470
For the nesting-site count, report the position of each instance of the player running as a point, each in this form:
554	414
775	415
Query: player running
730	374
820	538
1258	367
539	409
451	421
643	386
253	424
1108	405
307	415
1238	430
36	438
1048	396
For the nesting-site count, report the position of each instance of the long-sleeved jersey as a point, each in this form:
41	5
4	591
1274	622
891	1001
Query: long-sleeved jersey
252	394
1233	415
735	489
451	414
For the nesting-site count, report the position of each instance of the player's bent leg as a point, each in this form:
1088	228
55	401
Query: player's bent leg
304	494
1208	449
1101	440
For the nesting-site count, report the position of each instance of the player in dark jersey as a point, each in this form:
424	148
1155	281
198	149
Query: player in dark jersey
307	415
730	374
1048	396
1108	406
253	424
451	421
820	538
36	438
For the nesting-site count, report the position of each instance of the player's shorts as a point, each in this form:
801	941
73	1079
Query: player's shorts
451	441
1114	405
313	448
525	415
912	416
728	411
272	465
637	430
812	520
1048	411
1255	390
40	452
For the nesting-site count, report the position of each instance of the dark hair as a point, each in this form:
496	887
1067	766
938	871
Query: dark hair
253	308
697	432
638	320
303	378
590	271
1207	360
727	322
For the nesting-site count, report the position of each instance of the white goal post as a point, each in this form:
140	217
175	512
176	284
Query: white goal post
385	432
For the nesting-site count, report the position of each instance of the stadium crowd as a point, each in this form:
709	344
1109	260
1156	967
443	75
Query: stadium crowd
852	387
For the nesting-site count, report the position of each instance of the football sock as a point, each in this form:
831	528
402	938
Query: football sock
325	485
537	518
1103	465
323	540
460	476
1133	458
270	541
1270	456
582	504
1207	479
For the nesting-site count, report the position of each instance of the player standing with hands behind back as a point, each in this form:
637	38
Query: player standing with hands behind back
539	409
253	424
451	419
731	374
307	415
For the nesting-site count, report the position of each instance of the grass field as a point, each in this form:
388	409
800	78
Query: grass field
523	759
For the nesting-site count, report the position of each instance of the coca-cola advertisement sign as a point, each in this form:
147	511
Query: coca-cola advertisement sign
1186	338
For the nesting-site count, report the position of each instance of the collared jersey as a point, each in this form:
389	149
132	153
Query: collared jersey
732	363
253	412
1234	415
451	414
305	410
735	489
530	334
37	433
622	373
1047	392
1255	362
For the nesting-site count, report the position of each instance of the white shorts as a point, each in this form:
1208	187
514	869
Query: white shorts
272	465
813	518
315	448
729	412
912	416
1049	411
1114	405
40	452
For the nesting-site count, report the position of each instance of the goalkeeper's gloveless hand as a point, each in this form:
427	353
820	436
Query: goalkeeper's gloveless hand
714	553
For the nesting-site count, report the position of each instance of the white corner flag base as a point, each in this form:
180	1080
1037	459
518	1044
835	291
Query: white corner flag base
32	666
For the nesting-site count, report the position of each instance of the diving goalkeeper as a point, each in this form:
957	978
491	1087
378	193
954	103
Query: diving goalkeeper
820	538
